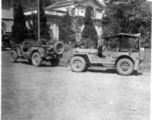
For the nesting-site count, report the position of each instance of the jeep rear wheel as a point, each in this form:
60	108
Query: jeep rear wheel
13	56
58	48
55	62
36	59
125	66
77	64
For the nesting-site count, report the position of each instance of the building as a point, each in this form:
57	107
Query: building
76	9
7	16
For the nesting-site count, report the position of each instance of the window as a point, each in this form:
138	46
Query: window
93	13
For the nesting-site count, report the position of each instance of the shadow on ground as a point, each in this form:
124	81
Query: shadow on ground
112	71
42	65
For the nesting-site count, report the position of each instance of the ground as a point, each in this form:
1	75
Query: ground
57	93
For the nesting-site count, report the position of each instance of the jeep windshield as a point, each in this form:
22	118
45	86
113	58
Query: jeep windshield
123	42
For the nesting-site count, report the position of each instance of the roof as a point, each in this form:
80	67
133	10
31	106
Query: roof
100	4
62	4
125	35
72	2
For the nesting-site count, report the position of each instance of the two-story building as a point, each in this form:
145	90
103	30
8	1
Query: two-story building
7	16
76	9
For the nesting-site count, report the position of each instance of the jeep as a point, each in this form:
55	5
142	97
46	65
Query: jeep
37	52
122	52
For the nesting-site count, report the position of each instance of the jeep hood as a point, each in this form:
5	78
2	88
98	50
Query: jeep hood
78	50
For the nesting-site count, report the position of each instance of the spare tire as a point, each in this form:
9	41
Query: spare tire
58	48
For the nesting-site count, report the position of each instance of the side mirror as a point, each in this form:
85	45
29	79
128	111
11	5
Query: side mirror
142	49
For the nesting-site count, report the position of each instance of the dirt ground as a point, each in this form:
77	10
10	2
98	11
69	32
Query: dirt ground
56	93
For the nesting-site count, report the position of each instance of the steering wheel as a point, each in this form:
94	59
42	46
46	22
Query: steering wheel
25	43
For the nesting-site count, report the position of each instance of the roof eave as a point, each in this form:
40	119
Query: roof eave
125	35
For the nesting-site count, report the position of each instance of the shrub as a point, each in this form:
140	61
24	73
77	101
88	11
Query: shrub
89	32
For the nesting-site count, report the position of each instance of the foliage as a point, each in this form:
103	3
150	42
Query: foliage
33	27
65	29
43	26
128	16
89	31
89	43
33	3
76	27
19	30
15	5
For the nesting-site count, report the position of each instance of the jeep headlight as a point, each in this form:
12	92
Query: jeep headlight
142	49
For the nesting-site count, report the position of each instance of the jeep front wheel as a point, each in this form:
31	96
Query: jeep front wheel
13	56
125	66
36	59
77	64
55	62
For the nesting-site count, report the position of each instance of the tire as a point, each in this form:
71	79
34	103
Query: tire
125	66
78	64
55	62
13	56
58	48
36	59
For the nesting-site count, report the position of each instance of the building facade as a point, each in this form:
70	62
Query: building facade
76	9
7	16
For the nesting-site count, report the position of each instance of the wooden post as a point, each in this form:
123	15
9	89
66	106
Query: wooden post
38	13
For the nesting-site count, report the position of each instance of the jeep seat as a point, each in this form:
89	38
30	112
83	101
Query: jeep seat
92	51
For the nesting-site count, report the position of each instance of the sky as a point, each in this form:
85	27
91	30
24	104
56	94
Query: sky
100	0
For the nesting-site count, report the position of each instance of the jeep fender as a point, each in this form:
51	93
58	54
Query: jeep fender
39	50
85	57
18	50
135	62
123	56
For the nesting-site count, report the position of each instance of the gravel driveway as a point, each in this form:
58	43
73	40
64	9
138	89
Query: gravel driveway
56	93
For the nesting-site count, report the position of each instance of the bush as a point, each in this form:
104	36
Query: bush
65	28
89	32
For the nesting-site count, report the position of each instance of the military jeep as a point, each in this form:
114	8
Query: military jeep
122	52
37	52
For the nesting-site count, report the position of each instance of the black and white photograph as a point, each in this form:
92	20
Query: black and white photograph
76	59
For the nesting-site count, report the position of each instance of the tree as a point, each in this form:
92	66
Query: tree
43	26
129	16
33	27
19	29
89	31
15	5
76	27
65	28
